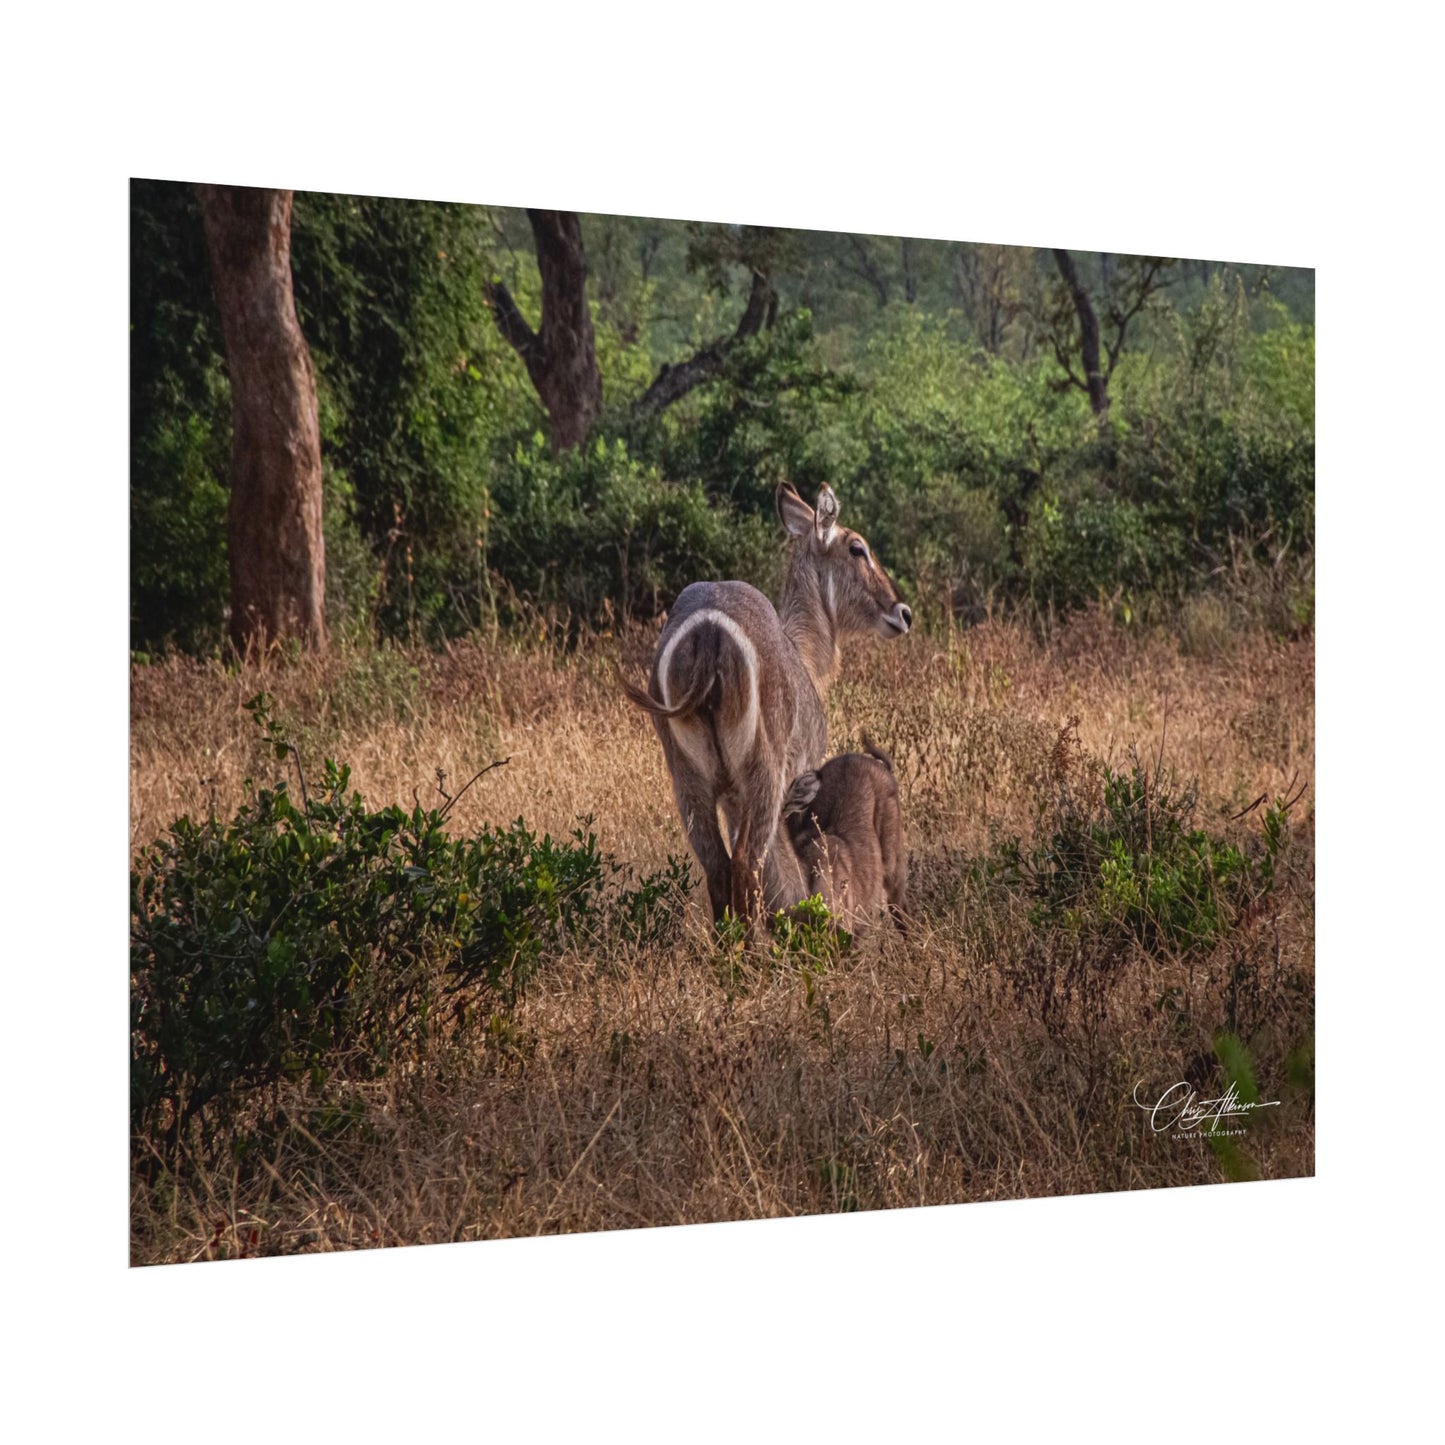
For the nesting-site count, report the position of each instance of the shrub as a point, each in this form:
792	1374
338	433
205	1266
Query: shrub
650	912
596	532
1237	1066
1216	436
1122	858
1084	549
804	939
807	937
180	427
295	939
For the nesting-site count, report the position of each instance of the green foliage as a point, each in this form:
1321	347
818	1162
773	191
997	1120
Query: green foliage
654	910
729	957
178	530
418	395
950	442
1087	547
423	394
804	940
296	939
1121	856
1217	434
1299	1068
939	420
807	938
353	579
180	426
1237	1066
597	532
772	415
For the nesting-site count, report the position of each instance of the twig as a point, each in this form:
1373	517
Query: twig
1292	799
500	763
1163	733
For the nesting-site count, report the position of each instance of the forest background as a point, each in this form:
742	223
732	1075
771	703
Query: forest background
948	392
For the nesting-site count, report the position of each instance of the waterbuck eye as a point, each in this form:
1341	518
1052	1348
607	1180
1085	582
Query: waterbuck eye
857	548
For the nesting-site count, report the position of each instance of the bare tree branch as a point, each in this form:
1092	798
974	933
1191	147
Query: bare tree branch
1144	289
510	322
1071	376
1143	281
674	382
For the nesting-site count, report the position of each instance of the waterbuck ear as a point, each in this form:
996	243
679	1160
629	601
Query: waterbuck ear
826	515
804	790
794	513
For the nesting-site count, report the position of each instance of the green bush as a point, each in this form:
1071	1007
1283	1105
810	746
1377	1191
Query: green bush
598	533
296	939
1120	855
807	937
420	396
1216	436
180	427
1085	548
804	940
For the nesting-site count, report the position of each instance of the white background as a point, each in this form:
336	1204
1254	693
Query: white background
1243	132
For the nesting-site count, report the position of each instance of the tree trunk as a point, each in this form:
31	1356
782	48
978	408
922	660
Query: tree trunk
277	553
867	270
1097	386
561	355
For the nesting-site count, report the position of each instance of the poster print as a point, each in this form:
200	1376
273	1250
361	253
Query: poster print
640	722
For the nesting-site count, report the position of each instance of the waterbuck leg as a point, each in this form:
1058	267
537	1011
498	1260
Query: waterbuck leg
748	867
895	864
697	807
784	883
755	863
699	817
895	888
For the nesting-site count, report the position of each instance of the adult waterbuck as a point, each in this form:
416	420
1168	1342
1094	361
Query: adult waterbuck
736	697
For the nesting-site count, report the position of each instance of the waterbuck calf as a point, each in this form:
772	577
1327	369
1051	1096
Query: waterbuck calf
846	828
736	697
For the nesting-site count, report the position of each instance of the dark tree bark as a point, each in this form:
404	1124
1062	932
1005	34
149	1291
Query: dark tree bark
866	268
277	553
673	382
561	355
1127	291
910	276
993	285
1095	383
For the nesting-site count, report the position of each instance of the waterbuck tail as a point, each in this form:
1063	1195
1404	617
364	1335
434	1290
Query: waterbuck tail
688	703
874	751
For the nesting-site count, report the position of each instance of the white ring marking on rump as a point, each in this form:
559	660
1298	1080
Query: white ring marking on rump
738	741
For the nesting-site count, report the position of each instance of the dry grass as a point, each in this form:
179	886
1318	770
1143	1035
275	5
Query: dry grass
977	1060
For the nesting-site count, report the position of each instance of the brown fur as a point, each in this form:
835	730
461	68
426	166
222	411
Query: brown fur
847	830
740	709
